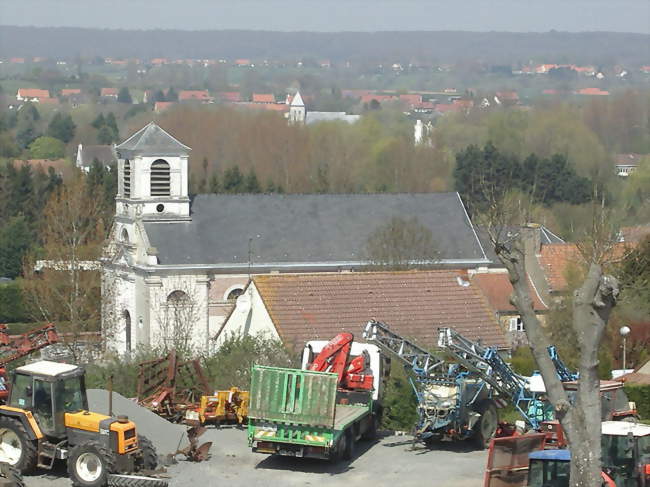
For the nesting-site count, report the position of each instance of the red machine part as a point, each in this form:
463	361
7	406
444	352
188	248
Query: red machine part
334	358
15	347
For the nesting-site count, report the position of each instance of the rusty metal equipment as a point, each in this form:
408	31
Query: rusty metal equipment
230	406
168	386
195	452
16	347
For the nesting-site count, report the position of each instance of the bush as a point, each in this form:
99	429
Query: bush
46	148
400	403
640	394
230	365
523	362
123	369
12	306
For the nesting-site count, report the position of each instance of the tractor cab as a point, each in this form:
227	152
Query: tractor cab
49	390
626	453
549	468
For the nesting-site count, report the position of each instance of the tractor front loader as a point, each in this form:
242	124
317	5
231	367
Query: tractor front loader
47	419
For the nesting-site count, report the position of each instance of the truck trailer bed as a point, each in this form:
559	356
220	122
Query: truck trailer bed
346	414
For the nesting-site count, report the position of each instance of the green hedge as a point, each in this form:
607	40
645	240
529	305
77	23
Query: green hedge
640	394
12	307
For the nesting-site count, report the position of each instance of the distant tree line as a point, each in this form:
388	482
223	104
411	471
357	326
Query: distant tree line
481	175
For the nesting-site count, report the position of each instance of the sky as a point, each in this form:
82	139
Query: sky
335	15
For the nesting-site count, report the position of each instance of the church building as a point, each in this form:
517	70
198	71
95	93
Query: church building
177	263
298	113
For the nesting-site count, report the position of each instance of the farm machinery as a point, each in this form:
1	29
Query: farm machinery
179	392
456	400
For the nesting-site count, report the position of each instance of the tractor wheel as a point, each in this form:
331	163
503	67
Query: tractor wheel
16	448
135	481
90	464
149	458
486	427
11	475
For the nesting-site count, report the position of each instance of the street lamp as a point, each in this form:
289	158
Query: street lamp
624	332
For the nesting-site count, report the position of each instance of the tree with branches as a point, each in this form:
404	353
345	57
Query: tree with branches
62	279
592	306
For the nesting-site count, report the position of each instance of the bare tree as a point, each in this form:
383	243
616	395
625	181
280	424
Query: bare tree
177	309
401	244
62	281
592	305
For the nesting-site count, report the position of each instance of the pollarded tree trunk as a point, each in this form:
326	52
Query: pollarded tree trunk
593	303
592	306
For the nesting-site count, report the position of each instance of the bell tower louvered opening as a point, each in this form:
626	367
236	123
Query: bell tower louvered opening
127	179
160	185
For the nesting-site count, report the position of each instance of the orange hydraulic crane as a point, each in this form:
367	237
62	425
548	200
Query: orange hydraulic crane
335	358
14	347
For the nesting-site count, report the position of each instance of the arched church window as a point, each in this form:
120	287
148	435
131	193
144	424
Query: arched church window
125	236
160	178
127	179
234	294
127	329
180	314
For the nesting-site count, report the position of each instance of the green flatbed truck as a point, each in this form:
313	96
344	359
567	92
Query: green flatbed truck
303	413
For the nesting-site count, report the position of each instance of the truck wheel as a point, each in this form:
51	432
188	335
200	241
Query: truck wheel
89	465
149	458
16	448
372	433
348	451
487	424
11	475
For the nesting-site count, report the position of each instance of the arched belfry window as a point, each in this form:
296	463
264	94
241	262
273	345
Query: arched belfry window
127	179
160	178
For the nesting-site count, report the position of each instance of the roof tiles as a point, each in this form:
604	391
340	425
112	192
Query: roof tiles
415	304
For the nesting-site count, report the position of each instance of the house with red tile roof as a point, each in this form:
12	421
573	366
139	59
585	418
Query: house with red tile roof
592	92
635	234
301	307
65	92
161	106
108	93
32	94
263	98
229	96
195	95
243	63
380	98
495	286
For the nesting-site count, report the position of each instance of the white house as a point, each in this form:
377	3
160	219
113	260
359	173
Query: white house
175	265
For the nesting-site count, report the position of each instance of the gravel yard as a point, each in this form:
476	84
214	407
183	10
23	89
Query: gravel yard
388	462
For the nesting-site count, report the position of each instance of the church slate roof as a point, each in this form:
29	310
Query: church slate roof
307	228
151	140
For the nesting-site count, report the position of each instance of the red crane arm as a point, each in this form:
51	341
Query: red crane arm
334	356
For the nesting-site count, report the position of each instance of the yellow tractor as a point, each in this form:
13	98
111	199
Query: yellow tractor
46	418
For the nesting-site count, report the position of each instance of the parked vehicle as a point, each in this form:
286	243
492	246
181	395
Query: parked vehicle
323	409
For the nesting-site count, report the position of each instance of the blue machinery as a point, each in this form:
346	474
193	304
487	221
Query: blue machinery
455	399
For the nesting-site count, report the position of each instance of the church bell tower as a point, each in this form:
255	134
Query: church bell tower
153	177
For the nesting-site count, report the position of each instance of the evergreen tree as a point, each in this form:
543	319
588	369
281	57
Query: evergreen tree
251	184
233	181
111	123
26	125
123	96
99	121
171	94
21	190
16	238
105	136
61	127
159	95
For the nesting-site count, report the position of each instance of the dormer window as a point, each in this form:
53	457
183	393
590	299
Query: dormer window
127	179
160	178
